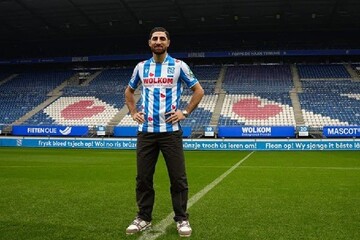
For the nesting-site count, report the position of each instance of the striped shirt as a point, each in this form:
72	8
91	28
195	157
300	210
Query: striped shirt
161	91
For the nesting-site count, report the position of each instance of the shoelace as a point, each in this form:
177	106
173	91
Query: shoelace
184	224
137	222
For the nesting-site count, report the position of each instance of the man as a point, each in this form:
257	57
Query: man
159	129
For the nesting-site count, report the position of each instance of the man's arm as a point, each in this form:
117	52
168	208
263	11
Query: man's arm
178	115
198	93
130	103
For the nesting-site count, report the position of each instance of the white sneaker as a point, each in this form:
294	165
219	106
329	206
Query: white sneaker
183	228
137	225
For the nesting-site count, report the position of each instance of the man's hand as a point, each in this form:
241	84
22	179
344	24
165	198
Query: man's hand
175	116
138	117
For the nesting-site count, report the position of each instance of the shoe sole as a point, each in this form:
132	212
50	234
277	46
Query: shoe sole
143	229
184	236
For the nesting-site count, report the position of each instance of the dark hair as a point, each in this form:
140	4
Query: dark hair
159	29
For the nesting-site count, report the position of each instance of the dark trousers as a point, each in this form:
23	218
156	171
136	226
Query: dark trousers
149	146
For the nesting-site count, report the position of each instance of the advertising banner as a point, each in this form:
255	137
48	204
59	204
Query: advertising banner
188	144
341	131
256	131
50	130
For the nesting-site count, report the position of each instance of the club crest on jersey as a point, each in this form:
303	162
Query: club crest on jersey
170	70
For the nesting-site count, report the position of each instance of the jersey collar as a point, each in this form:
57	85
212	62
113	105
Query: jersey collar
166	59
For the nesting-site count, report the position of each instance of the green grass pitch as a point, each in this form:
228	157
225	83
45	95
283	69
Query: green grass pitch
89	194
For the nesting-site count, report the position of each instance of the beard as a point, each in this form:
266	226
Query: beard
158	51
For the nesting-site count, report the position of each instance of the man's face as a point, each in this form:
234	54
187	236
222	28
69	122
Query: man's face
159	43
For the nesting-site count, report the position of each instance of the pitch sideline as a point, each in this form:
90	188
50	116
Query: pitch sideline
160	228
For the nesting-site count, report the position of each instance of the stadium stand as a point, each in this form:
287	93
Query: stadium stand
26	91
259	78
257	95
356	68
333	102
323	71
329	97
94	103
3	76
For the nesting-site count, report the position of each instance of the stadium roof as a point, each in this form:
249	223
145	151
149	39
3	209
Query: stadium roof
25	21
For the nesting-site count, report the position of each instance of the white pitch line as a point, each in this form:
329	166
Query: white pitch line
320	168
160	228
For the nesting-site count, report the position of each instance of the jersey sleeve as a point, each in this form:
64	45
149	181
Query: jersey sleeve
187	75
135	78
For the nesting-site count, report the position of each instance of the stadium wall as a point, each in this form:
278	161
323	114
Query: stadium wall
189	144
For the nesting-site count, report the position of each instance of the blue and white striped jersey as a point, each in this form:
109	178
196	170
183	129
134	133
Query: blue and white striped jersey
161	91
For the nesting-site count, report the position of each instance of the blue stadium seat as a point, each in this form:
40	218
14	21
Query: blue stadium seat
323	71
24	92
